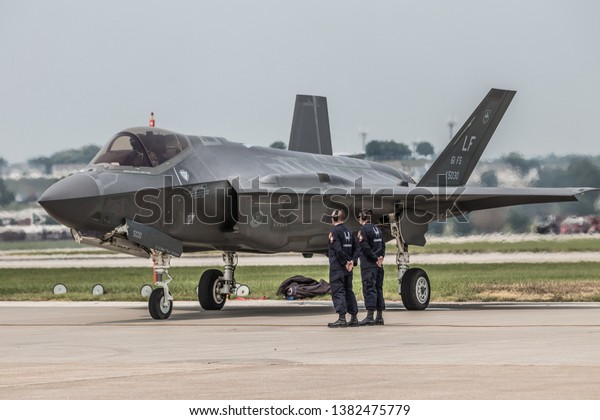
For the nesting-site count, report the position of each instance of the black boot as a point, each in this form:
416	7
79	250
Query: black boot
353	321
340	323
379	318
368	319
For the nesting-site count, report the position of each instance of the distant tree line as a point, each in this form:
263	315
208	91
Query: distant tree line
71	156
579	172
6	197
384	150
278	145
559	172
552	172
390	150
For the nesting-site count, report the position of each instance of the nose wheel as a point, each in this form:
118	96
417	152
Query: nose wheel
159	305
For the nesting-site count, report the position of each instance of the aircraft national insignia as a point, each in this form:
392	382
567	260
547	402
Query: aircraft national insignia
487	115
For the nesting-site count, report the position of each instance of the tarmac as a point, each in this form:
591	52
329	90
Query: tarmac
278	350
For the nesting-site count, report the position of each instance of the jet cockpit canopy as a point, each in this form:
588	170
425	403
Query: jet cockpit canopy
141	147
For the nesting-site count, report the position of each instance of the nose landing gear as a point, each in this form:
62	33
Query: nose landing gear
160	303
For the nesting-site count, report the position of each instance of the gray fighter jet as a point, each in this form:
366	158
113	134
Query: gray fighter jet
156	194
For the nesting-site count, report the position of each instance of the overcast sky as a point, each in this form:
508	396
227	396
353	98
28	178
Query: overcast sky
76	72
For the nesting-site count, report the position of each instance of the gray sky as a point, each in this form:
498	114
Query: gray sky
76	72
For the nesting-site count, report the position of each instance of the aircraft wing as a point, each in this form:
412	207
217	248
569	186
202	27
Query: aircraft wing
435	200
422	205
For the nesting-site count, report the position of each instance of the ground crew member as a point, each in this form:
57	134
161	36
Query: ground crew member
343	251
372	252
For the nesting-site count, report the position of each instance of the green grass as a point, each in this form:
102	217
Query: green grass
450	282
572	282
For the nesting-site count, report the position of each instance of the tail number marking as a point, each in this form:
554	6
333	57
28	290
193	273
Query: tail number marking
452	175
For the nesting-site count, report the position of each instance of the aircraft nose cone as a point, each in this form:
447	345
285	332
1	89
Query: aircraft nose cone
72	200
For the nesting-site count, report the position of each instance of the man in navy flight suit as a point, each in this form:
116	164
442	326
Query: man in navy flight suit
372	252
343	251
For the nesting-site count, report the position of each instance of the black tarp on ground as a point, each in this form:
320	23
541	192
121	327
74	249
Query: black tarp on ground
300	287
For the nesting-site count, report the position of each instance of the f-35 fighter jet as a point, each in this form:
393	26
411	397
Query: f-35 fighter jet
155	193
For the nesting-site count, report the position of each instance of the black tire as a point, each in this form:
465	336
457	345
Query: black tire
210	280
415	289
155	304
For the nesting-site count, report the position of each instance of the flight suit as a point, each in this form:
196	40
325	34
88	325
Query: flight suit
372	246
343	247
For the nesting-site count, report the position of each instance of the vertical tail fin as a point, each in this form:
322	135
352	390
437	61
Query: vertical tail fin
456	163
310	126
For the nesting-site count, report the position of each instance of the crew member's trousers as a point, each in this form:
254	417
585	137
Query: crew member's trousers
342	295
372	285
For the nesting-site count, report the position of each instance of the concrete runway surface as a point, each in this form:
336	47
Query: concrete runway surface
283	350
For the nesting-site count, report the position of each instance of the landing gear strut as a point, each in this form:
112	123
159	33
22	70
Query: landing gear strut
215	286
413	283
160	303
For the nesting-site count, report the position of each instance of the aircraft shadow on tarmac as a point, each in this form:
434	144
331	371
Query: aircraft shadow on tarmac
188	311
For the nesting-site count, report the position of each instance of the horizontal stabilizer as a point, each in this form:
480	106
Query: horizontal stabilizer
456	163
310	126
439	201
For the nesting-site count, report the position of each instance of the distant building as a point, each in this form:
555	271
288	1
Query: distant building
31	224
16	171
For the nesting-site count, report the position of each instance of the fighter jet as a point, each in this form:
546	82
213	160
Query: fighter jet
156	194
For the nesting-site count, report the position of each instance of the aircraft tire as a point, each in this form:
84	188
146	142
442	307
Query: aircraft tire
415	289
155	307
207	296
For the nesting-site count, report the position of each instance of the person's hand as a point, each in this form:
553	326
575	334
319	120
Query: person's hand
349	266
380	262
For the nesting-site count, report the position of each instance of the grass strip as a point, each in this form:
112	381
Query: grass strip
571	282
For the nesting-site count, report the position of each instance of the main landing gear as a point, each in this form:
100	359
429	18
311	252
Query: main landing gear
213	288
413	283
